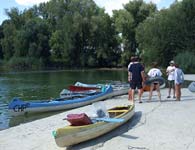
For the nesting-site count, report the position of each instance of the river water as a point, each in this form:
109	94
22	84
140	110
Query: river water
45	85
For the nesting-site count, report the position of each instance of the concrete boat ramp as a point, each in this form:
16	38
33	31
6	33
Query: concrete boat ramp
166	125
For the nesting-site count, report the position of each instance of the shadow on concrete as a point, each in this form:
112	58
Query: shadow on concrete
183	99
99	141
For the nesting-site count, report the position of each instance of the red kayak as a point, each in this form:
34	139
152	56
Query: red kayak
81	88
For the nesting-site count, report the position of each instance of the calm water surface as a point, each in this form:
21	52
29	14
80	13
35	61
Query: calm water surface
44	85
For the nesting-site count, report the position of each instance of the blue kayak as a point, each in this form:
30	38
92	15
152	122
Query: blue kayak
19	107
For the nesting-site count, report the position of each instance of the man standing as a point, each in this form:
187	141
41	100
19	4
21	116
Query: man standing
136	77
131	62
170	72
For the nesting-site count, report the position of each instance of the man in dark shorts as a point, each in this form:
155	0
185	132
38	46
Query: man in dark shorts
136	77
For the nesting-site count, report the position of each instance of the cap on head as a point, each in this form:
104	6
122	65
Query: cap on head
171	62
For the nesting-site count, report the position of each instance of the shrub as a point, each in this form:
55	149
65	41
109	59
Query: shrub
186	61
23	63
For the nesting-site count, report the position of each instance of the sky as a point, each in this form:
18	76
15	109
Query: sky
109	5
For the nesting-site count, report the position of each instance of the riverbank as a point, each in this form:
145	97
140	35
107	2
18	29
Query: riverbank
169	125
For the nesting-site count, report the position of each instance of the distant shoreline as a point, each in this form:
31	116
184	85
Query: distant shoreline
58	70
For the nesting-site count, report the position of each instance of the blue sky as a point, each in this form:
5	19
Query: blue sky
109	5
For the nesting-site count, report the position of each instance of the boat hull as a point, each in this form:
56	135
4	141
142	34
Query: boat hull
72	135
117	89
18	107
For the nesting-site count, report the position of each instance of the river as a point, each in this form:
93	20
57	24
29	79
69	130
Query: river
45	85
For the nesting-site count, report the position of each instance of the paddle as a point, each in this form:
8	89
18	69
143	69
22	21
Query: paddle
113	120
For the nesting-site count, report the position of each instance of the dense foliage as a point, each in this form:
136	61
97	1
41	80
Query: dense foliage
79	34
169	34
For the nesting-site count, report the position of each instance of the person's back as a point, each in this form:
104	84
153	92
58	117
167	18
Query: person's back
154	72
179	79
136	76
179	76
136	70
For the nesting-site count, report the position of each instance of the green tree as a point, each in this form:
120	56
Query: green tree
168	32
186	61
61	42
7	44
127	21
1	37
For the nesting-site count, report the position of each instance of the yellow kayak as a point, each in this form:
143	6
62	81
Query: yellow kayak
71	135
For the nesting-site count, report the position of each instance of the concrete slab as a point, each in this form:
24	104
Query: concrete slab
168	125
190	77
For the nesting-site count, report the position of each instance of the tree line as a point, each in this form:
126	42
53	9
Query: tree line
79	34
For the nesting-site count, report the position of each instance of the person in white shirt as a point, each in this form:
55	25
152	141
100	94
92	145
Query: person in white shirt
155	72
179	79
170	72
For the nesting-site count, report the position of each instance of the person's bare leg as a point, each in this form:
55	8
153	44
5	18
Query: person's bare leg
132	95
140	95
177	92
151	90
173	91
158	90
142	91
129	95
169	91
